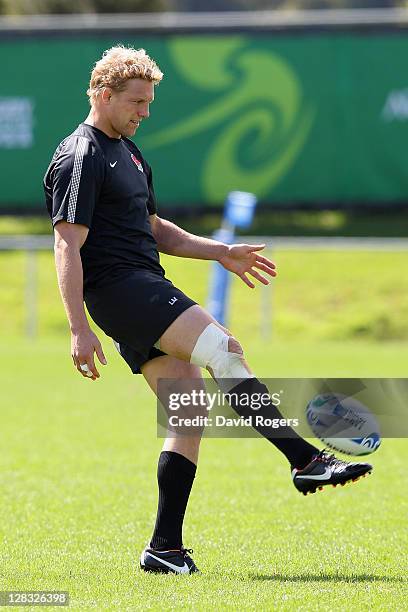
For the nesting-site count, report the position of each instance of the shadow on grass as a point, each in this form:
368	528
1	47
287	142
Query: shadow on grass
326	578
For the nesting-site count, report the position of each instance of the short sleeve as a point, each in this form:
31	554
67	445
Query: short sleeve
76	182
151	202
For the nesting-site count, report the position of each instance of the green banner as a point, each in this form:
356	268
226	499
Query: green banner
311	118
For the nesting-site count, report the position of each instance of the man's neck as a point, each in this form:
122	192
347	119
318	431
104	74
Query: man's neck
95	120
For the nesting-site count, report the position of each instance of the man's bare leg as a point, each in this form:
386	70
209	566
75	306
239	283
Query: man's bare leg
181	339
176	466
171	367
181	336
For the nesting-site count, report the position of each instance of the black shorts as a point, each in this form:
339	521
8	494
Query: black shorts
135	312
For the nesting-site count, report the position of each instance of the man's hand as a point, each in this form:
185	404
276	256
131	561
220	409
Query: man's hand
83	345
242	259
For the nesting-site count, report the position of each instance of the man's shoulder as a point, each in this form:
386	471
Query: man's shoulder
80	141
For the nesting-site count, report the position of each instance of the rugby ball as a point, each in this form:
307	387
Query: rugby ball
343	423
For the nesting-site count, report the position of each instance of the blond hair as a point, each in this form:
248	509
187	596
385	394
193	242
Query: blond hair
119	64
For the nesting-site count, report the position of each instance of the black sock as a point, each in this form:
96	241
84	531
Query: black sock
175	476
298	452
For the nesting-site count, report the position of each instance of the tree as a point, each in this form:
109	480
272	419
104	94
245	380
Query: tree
34	7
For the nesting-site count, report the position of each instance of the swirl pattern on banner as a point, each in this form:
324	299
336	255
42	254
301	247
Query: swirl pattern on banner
261	118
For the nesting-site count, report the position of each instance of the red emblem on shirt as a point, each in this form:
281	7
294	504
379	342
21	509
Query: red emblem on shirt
137	162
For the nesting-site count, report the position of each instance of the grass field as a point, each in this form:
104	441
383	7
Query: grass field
318	296
78	459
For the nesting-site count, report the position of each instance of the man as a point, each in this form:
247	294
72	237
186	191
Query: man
99	193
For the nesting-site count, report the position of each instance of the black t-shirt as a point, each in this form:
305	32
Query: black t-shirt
105	184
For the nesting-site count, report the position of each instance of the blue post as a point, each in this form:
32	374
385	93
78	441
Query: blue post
238	212
220	281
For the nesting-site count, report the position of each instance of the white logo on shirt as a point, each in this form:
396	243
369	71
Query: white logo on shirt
114	164
172	301
137	162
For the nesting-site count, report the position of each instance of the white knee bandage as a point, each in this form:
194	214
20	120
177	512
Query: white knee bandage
211	350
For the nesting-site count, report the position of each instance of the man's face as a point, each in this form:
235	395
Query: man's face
126	109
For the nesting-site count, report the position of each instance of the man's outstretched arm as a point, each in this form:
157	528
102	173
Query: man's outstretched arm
173	240
242	259
69	238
